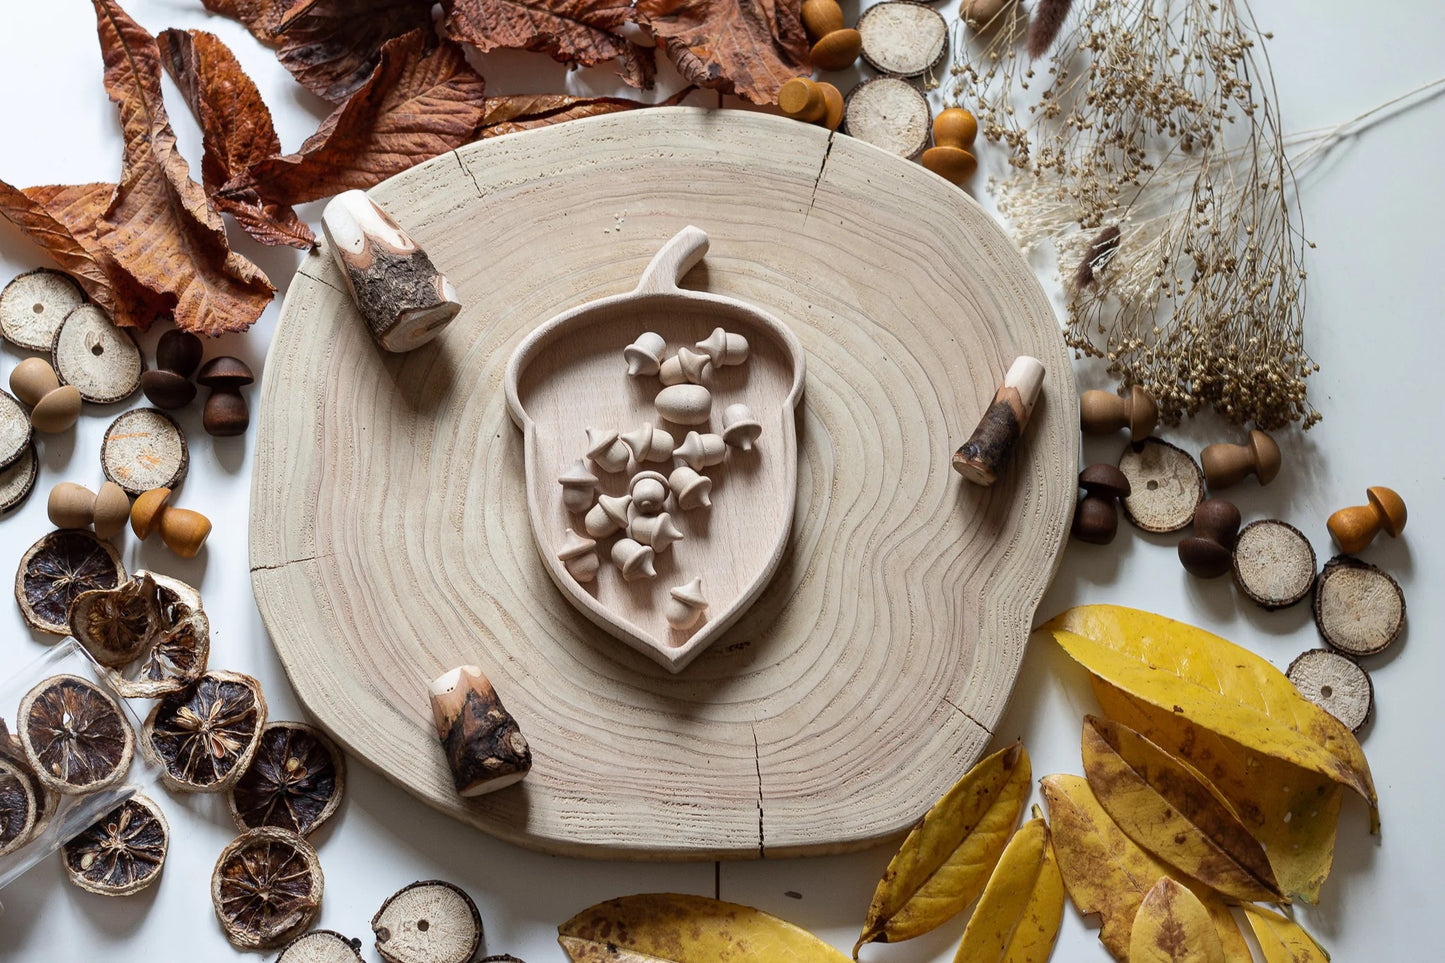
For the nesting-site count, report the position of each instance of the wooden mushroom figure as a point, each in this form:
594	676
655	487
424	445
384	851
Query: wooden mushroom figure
1103	413
75	506
1355	528
982	457
169	384
1226	464
1209	553
53	407
404	300
484	746
812	101
1096	518
182	530
225	413
953	132
834	47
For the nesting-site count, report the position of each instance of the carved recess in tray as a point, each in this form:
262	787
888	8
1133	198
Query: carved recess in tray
570	375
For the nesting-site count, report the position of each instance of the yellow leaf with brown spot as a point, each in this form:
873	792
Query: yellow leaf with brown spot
1018	916
1281	939
677	928
1167	808
1173	926
1216	684
1293	812
946	859
1107	874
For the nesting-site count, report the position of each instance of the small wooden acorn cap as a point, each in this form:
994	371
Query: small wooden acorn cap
644	355
484	747
102	361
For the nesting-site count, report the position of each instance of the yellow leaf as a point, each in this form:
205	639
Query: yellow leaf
1018	916
1173	926
1167	808
946	859
1216	683
1294	813
1107	874
676	928
1281	939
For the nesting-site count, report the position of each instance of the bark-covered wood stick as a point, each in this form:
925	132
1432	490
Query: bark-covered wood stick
484	747
982	457
403	298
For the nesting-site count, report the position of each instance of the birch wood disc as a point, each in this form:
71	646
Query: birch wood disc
390	538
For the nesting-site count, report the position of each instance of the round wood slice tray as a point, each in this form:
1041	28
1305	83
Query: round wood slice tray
390	538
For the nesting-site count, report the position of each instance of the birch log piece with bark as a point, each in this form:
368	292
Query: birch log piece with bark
484	747
403	298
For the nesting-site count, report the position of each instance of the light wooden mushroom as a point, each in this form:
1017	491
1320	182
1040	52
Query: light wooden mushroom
982	457
1103	412
1226	464
1353	529
184	531
404	300
53	407
484	747
75	506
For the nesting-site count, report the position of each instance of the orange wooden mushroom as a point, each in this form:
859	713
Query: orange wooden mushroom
834	47
953	132
812	101
184	531
1356	527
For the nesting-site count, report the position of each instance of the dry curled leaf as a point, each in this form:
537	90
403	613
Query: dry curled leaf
261	17
332	46
514	112
1166	807
1216	684
419	102
656	927
946	859
1281	939
159	225
582	32
1293	812
1107	874
236	132
1018	916
744	47
1173	926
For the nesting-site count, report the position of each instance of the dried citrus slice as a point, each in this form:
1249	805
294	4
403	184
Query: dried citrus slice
205	735
57	569
175	652
18	807
266	888
321	946
74	735
123	852
431	921
113	624
46	799
295	781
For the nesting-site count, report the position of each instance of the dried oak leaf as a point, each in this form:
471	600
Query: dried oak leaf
236	132
261	17
744	47
331	47
581	32
159	225
418	103
514	112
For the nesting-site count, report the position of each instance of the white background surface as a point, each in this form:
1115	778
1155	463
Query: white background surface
1374	209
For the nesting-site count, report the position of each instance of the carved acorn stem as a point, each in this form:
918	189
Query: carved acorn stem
982	457
483	744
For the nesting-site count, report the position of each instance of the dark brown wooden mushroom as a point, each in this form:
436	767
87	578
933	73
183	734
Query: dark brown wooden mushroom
225	413
1209	553
1096	519
485	748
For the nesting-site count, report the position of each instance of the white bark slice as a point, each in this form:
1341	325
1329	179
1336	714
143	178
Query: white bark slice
17	479
15	430
1358	608
428	922
889	113
1336	684
1273	563
1165	483
102	361
33	306
144	449
903	38
321	946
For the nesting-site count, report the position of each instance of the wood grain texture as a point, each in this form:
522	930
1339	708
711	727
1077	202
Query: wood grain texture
390	538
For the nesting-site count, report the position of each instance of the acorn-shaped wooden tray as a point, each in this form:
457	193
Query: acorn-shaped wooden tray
569	382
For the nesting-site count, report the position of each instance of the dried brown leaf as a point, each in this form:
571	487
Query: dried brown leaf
514	112
159	225
261	17
236	132
81	259
582	32
744	47
331	47
418	103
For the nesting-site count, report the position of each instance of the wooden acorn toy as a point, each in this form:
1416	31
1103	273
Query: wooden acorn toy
1225	464
225	413
953	132
725	348
1096	518
691	489
1103	413
484	747
699	451
1209	552
812	101
633	559
644	355
983	456
608	516
169	384
578	555
686	367
686	605
1355	528
648	490
606	450
75	506
834	47
656	531
741	427
579	487
184	531
53	407
649	443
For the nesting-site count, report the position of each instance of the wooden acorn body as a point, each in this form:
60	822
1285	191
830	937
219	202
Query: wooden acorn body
982	457
483	744
404	300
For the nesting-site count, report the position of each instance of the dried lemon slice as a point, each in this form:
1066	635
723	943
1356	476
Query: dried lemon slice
56	570
74	735
18	807
113	624
205	735
123	852
266	888
295	781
